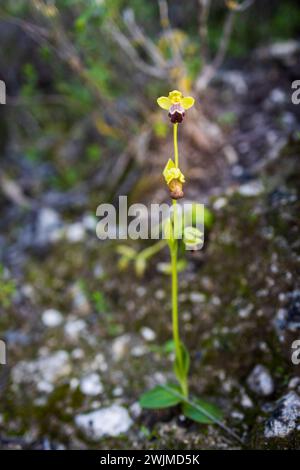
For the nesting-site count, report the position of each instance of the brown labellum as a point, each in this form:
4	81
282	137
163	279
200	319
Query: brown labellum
175	187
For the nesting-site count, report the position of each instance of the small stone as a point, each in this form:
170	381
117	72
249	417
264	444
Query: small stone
141	291
80	301
136	409
121	346
43	372
77	354
148	334
74	328
118	391
138	350
255	188
159	294
294	383
245	312
47	223
285	416
99	271
260	381
246	401
91	385
111	421
52	318
89	222
237	415
99	363
219	203
197	297
74	382
75	232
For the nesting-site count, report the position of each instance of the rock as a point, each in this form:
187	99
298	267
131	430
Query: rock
121	346
285	416
148	334
254	188
159	294
117	391
52	318
235	80
110	421
294	383
246	401
197	297
48	224
245	311
139	350
136	409
43	372
80	301
91	385
260	381
74	328
219	203
89	222
279	50
75	232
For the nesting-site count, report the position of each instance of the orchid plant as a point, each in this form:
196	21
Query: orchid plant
164	396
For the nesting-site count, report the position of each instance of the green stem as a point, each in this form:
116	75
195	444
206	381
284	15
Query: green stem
175	129
174	252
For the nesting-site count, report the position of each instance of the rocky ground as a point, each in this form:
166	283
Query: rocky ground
85	339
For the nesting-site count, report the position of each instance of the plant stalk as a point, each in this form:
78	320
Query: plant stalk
174	253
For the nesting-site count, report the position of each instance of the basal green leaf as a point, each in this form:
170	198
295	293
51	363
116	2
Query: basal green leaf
197	412
159	397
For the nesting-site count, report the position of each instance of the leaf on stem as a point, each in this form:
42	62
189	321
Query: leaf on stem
159	397
182	365
201	411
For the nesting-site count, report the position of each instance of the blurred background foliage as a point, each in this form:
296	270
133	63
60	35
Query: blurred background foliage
78	99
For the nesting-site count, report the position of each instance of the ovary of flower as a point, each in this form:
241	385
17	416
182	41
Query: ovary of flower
172	173
176	104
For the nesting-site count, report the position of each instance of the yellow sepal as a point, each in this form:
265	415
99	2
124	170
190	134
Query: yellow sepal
187	102
172	173
164	102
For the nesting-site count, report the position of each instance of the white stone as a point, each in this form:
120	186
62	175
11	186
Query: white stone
139	350
52	318
260	381
246	401
255	188
118	391
136	409
120	346
91	385
74	328
148	334
111	421
43	372
89	222
285	417
80	301
75	232
48	221
245	312
197	297
219	203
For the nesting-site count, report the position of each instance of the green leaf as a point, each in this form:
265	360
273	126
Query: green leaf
194	412
159	397
181	369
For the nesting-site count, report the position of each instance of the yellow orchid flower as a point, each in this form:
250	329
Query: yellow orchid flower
176	104
174	179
